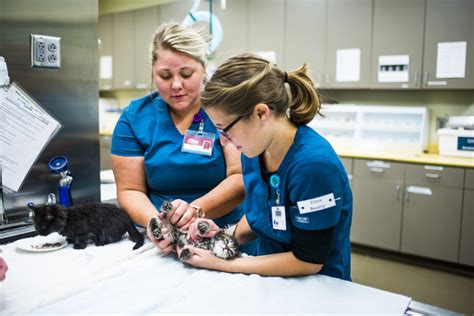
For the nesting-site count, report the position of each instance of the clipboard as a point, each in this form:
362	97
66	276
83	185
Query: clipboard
26	130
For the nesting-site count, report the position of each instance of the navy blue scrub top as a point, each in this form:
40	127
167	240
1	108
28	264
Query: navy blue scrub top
310	169
146	129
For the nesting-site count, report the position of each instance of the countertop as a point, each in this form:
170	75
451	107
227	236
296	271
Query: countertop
428	158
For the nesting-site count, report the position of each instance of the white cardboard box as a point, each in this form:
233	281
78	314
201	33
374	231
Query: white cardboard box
456	142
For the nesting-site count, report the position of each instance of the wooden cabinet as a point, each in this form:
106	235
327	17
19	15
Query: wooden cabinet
448	21
378	199
146	23
235	25
124	50
306	27
397	35
266	28
466	251
432	211
105	52
349	27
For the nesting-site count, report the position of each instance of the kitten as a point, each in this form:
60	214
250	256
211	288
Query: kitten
221	245
97	222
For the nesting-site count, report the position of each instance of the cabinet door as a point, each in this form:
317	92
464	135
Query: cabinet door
146	23
448	21
397	36
124	50
377	215
432	222
466	252
235	25
349	27
175	11
105	52
266	28
306	27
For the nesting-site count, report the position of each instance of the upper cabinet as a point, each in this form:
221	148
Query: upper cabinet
306	25
397	44
348	43
146	23
449	45
266	28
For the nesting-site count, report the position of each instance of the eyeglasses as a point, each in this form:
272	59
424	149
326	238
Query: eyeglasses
223	131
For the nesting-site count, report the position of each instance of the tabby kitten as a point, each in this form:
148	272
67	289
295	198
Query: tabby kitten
99	223
221	245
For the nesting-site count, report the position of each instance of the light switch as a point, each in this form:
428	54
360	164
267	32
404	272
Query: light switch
45	51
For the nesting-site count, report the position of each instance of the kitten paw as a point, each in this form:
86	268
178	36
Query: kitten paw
185	254
155	228
166	206
203	227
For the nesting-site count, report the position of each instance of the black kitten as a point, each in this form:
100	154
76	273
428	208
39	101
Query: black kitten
97	222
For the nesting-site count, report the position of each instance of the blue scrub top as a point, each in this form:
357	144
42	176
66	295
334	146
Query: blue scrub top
146	129
310	169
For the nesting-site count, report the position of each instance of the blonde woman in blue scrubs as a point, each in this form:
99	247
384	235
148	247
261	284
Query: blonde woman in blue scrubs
298	197
163	145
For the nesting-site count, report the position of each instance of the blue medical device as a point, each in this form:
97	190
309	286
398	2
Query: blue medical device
59	165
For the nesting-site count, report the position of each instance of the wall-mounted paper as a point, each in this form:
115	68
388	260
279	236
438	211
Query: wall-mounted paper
348	65
106	67
393	68
269	55
451	60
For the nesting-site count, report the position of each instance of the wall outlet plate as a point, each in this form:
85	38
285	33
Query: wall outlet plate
45	51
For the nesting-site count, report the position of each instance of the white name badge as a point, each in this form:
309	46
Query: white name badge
278	217
317	204
198	143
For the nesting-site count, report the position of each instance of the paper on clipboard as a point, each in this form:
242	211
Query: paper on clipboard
27	129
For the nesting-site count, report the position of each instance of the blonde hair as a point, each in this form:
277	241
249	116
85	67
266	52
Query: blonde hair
245	80
178	38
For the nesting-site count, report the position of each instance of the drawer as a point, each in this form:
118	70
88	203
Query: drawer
469	182
427	175
386	170
347	162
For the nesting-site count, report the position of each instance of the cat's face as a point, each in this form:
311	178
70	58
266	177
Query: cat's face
49	219
225	247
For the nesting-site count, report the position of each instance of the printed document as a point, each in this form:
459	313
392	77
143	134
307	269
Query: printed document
27	129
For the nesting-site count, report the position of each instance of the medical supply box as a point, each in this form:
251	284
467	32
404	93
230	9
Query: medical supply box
458	138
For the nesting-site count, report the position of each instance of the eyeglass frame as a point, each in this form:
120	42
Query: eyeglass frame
223	131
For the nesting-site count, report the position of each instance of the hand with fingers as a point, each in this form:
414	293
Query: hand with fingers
182	214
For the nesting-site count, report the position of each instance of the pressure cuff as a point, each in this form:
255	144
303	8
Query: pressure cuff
312	246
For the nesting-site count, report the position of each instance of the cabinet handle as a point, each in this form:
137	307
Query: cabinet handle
419	190
397	189
415	78
425	79
377	170
432	175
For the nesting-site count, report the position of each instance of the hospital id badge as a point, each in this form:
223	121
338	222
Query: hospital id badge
198	143
278	217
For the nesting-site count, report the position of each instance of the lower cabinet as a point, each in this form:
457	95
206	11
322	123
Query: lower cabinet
415	209
377	212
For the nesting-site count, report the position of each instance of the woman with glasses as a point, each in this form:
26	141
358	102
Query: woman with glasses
298	197
165	147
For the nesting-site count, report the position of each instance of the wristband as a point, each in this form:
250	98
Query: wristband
199	211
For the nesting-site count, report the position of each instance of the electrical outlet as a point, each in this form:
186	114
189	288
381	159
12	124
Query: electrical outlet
45	51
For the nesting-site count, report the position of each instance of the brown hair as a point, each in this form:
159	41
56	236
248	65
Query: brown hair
245	80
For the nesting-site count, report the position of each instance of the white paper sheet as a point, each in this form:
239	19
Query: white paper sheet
116	280
451	60
393	68
28	128
106	67
348	65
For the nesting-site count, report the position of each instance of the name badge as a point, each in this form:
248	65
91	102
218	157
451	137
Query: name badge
278	217
198	143
317	204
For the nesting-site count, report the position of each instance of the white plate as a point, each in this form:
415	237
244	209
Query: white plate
51	242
